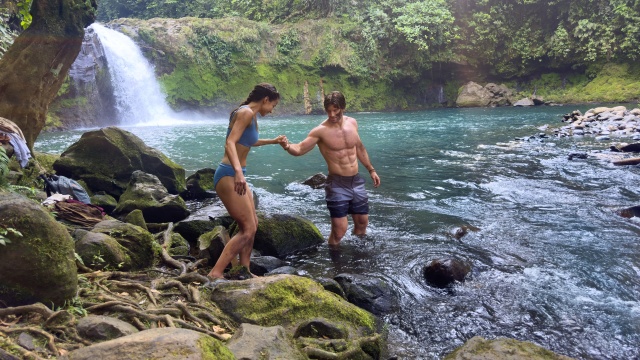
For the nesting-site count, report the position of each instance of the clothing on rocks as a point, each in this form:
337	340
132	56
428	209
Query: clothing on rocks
78	212
20	148
55	198
9	126
16	139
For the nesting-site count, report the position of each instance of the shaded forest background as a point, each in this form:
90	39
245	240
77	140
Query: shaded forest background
384	54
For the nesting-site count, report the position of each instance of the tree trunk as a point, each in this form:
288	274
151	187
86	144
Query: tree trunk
34	67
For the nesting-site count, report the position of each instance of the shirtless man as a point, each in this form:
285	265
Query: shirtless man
340	145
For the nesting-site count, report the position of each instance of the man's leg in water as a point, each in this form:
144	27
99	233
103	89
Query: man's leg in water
360	222
338	229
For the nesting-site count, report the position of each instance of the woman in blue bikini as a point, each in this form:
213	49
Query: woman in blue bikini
229	181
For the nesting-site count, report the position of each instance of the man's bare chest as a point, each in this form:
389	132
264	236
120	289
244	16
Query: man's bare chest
340	139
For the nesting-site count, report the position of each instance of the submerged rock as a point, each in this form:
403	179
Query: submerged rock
316	181
443	272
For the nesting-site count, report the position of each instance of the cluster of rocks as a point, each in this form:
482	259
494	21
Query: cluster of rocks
492	95
602	122
284	313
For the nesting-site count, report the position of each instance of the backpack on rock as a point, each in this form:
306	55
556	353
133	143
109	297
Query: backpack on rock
65	186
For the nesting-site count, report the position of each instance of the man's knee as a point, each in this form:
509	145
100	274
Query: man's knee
360	223
339	226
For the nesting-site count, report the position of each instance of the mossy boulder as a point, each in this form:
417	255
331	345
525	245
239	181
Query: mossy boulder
163	343
179	245
200	185
280	235
99	251
107	202
473	95
211	244
136	218
192	229
139	245
289	301
478	348
105	159
145	192
38	266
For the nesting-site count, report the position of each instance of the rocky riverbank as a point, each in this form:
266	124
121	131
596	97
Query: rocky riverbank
132	284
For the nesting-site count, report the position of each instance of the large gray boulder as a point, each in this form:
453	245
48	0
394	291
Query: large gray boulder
101	328
258	342
145	192
369	293
105	159
38	266
473	95
163	343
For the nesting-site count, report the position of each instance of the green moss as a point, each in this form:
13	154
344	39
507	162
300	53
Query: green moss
11	348
214	63
293	300
602	83
213	349
45	246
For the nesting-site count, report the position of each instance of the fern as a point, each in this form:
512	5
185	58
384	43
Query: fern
4	167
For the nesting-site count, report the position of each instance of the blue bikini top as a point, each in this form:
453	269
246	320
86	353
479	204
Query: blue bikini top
250	134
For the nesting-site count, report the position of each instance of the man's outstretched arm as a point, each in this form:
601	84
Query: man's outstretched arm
302	147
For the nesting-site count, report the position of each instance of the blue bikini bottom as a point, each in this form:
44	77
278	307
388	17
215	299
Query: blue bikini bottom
225	170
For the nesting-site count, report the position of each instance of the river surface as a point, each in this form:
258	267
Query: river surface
553	262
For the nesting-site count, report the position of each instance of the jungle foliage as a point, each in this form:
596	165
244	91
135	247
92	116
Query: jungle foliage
515	37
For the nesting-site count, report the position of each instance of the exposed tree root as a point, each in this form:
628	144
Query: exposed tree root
351	352
192	277
38	308
147	299
132	285
173	283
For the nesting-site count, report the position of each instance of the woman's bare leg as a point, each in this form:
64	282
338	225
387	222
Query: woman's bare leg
242	211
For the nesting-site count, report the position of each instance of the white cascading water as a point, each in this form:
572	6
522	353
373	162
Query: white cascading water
139	99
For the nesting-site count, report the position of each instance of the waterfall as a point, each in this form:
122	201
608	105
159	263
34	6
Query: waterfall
441	99
139	99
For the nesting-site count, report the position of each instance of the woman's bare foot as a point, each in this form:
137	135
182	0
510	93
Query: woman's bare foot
213	276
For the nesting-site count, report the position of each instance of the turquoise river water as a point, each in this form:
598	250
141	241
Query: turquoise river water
553	262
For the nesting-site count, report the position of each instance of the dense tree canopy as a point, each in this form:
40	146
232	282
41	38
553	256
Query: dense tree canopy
514	36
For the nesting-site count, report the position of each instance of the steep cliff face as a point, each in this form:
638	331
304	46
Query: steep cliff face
87	98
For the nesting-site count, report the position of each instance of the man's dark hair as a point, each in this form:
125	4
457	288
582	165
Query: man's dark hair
335	98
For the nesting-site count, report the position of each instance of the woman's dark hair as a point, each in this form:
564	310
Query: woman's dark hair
335	98
261	91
